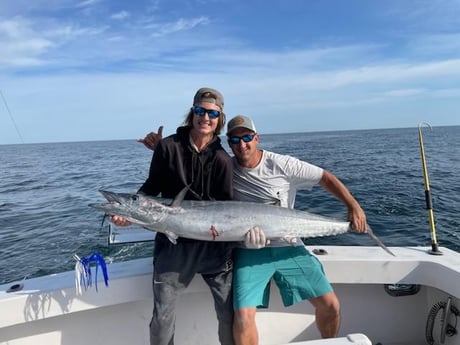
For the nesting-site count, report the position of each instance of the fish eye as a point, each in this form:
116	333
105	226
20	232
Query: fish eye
135	197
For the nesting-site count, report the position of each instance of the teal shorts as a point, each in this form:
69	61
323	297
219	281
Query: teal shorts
298	274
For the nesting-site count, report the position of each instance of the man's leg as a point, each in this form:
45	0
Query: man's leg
162	325
173	271
327	314
221	289
245	328
251	285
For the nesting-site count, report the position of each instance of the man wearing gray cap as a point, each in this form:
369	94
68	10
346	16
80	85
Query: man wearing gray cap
266	177
192	157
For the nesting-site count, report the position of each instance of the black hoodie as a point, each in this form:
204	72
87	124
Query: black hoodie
176	164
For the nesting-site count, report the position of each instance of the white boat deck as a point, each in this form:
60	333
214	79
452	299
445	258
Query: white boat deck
48	310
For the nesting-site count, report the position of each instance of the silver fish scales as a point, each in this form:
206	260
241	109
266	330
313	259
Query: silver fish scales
220	220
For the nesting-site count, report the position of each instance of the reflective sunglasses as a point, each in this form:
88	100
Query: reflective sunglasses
246	138
200	111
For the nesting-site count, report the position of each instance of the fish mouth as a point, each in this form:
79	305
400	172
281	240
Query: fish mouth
119	204
110	196
117	198
115	204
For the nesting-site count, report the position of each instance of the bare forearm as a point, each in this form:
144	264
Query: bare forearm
334	186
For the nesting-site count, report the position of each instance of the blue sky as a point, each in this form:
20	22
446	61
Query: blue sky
107	69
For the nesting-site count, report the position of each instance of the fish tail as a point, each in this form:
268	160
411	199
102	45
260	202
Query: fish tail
377	240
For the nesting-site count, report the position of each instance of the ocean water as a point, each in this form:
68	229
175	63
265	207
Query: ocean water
45	190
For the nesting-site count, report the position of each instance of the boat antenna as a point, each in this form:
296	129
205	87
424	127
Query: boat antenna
11	117
429	204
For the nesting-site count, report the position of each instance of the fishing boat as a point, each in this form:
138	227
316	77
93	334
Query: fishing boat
411	298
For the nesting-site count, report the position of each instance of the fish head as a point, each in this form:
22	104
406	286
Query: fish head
137	208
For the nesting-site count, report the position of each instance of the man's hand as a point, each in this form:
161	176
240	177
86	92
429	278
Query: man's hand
357	217
255	238
151	139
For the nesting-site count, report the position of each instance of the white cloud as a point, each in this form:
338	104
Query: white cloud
21	45
102	64
404	92
163	29
120	15
87	3
69	32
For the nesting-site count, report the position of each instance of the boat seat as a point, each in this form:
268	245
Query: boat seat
355	338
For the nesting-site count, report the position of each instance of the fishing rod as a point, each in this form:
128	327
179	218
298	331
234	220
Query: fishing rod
429	204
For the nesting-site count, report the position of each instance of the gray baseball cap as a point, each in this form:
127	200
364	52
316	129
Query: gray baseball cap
241	121
206	94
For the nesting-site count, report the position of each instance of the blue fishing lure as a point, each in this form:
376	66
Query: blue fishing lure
83	276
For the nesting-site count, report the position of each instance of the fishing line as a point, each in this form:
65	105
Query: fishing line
11	117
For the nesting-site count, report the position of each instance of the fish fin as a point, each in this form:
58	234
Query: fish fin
171	236
376	240
179	197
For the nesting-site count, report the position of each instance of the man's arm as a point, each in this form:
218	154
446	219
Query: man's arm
334	186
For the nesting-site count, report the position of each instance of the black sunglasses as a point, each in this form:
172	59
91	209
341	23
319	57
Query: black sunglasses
200	111
246	138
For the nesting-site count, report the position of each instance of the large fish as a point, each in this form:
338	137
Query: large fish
220	220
